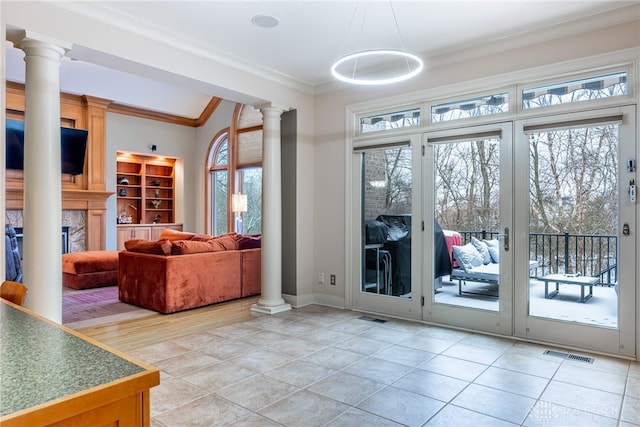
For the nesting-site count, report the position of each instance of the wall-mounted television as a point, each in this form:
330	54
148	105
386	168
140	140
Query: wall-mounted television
73	147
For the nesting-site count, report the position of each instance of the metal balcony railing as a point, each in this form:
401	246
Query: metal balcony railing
585	254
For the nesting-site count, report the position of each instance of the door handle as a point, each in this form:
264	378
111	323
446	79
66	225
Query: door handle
505	238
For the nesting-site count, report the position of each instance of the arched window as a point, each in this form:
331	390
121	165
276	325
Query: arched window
218	184
234	166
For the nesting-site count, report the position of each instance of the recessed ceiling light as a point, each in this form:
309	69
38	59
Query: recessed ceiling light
265	21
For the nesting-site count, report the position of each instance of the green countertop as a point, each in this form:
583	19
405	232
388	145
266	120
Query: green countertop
40	362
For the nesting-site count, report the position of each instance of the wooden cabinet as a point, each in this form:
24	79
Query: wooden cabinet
80	382
145	232
145	189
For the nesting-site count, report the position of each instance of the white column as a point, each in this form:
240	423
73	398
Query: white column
271	300
42	213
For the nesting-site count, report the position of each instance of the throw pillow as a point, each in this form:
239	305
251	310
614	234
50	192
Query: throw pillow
200	238
225	242
249	241
467	256
494	249
482	248
171	235
184	247
154	247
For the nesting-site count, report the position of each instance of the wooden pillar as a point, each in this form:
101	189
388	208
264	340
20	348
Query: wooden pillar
96	219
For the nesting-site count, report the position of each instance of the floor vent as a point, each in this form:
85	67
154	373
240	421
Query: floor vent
372	319
584	359
563	355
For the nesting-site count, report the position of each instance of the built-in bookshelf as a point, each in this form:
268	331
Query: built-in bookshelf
145	189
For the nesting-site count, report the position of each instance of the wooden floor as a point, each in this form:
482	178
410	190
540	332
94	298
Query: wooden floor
131	334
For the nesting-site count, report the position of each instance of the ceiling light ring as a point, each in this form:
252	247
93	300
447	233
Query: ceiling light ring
390	52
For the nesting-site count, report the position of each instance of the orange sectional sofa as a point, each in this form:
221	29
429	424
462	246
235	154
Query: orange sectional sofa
89	269
187	270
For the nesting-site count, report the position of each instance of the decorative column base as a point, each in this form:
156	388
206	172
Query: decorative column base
266	309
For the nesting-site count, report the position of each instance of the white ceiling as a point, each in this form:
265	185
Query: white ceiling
310	36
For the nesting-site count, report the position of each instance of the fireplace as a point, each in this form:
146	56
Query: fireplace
65	239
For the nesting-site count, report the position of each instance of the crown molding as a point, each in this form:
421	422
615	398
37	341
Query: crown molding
108	16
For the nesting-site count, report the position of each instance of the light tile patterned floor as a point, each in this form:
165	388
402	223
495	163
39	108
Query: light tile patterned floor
318	366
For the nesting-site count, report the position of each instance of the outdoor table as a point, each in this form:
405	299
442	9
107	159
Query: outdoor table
569	279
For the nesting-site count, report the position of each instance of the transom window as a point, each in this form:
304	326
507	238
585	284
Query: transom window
599	87
469	108
387	121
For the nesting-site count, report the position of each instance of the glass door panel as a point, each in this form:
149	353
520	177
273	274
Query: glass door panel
467	193
466	226
573	224
385	212
575	207
386	221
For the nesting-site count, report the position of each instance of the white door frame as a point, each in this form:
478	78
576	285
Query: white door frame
408	308
620	341
498	322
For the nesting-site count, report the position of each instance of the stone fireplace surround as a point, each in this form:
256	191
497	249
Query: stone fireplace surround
73	219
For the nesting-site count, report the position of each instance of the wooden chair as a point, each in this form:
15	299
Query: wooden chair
13	291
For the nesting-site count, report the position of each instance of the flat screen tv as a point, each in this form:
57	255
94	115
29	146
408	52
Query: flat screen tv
73	147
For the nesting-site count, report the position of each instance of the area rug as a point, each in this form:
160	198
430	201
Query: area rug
86	304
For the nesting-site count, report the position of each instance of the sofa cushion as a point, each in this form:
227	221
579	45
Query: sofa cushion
201	237
224	242
183	247
171	234
482	249
249	241
155	247
467	256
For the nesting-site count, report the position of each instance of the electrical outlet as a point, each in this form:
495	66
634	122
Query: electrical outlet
321	278
332	279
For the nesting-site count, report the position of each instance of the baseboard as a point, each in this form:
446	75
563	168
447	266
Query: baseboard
298	301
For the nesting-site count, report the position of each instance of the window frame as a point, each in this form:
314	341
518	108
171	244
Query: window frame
234	171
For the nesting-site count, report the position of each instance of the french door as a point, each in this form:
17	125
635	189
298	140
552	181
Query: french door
386	222
468	205
576	218
544	202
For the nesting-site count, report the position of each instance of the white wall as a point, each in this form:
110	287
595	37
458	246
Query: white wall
220	119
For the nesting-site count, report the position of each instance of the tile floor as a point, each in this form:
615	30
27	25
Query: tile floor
318	366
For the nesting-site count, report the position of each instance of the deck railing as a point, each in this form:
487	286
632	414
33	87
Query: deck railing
586	254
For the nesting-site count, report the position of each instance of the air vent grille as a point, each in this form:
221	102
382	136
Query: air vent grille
372	319
569	356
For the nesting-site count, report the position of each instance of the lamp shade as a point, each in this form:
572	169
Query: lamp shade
238	203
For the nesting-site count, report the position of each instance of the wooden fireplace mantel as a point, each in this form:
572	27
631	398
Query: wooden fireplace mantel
86	192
